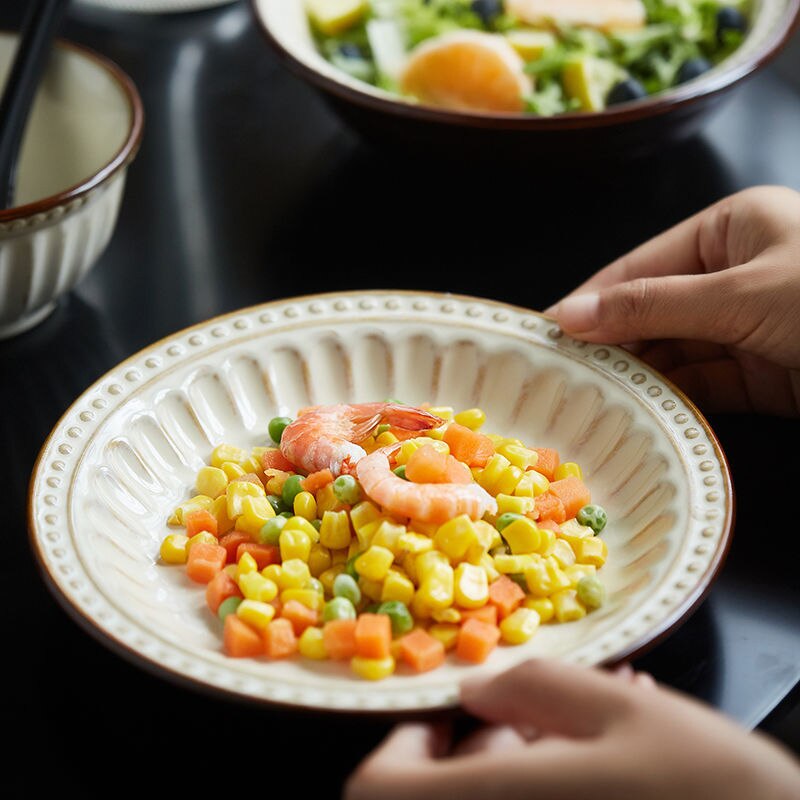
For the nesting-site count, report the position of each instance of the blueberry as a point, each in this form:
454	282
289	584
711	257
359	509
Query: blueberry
350	50
730	19
625	91
487	10
693	68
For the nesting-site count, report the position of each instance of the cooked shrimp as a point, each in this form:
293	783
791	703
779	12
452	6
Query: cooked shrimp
326	437
427	502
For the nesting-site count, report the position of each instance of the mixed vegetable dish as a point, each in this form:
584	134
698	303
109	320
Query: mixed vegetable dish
542	57
383	534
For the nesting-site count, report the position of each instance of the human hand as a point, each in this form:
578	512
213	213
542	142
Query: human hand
598	735
715	299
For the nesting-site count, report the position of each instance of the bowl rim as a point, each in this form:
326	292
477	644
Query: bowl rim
652	106
639	647
124	155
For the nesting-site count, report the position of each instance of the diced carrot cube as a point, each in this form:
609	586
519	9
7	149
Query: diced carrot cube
573	493
476	640
421	651
428	465
548	506
301	616
505	595
231	541
200	520
317	480
469	446
205	561
239	639
279	639
264	554
274	459
339	638
487	613
219	589
548	461
373	636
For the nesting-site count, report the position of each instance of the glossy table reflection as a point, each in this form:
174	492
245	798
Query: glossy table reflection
247	188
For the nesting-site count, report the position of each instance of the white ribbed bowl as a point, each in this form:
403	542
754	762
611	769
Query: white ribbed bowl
128	450
83	132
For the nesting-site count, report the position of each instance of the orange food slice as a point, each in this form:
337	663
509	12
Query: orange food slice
467	70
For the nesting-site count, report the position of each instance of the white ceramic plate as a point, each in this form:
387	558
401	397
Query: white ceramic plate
126	453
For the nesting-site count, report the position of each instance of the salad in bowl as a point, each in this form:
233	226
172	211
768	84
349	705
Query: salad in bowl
536	57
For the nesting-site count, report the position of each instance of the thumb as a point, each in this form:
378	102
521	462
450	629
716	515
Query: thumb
705	307
551	696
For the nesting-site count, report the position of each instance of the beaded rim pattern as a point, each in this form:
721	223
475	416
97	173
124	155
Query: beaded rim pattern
51	485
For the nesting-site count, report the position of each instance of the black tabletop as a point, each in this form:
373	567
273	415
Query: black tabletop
248	188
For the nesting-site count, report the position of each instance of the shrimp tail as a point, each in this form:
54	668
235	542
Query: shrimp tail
410	418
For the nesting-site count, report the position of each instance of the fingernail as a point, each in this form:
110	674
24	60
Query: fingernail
578	313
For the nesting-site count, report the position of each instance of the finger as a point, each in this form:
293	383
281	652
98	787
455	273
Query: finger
554	697
703	307
490	739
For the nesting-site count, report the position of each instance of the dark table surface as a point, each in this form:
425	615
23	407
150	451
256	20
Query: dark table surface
247	188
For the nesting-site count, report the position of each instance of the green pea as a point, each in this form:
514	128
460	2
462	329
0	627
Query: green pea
228	606
338	608
317	523
347	490
593	516
276	427
270	532
276	503
372	608
350	567
504	520
286	514
591	591
400	472
382	429
291	488
344	585
400	616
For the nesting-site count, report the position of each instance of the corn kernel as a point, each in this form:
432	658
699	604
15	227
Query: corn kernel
294	574
334	531
419	609
305	505
540	482
246	564
219	508
294	544
232	470
328	576
429	563
577	571
544	577
499	476
363	513
237	492
273	572
524	487
370	589
548	541
227	452
523	536
319	559
455	537
563	553
566	606
437	592
374	563
255	586
444	412
424	528
203	537
519	626
353	550
513	504
298	523
447	615
255	512
275	480
446	633
509	565
174	548
519	456
311	644
543	606
471	586
340	556
408	446
388	535
408	562
308	597
568	469
573	531
471	418
414	543
211	481
397	586
385	438
486	563
252	465
327	500
373	669
256	613
591	550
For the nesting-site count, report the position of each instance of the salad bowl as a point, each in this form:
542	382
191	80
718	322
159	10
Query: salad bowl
127	451
625	130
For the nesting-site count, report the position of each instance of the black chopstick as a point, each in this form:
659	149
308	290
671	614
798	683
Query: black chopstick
30	59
